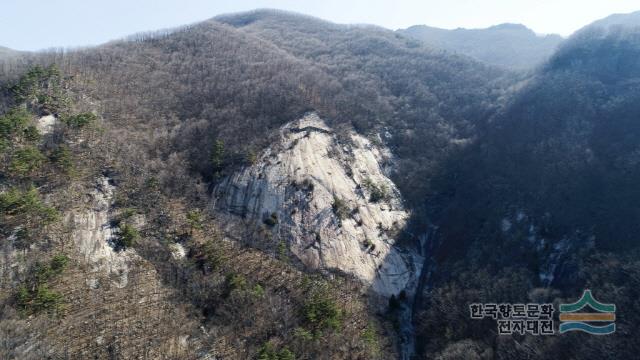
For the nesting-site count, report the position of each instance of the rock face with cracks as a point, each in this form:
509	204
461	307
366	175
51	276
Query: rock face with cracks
93	232
328	198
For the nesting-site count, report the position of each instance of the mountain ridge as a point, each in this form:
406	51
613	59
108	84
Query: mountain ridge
512	46
624	19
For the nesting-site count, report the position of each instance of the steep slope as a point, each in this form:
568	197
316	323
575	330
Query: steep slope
112	140
424	103
94	233
575	121
159	267
330	201
544	205
511	46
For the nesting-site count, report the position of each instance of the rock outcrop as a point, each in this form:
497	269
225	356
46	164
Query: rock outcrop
46	124
93	235
329	199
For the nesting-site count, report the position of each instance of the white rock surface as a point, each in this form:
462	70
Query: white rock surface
178	251
92	233
297	180
46	124
10	265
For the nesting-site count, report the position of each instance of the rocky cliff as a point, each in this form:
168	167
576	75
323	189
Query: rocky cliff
93	234
328	198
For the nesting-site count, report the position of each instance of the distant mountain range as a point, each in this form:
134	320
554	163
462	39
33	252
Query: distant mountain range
627	20
512	46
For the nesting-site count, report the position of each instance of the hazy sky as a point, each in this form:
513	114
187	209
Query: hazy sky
40	24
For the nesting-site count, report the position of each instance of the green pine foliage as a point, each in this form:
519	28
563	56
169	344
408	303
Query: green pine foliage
31	134
127	237
268	351
195	220
13	121
320	311
79	120
35	295
63	159
41	87
26	161
217	158
25	205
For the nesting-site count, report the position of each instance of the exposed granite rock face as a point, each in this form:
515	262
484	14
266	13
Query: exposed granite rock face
92	234
330	200
46	124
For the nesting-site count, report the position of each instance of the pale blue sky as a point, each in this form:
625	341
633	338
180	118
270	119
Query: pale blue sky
41	24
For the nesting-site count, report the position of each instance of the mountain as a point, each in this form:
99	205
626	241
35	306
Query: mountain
314	171
423	102
625	20
545	200
271	185
214	190
511	46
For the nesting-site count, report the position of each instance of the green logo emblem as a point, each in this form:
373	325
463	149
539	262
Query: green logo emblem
572	320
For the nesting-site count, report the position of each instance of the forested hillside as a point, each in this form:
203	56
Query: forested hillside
171	108
425	103
627	20
544	204
160	102
499	186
